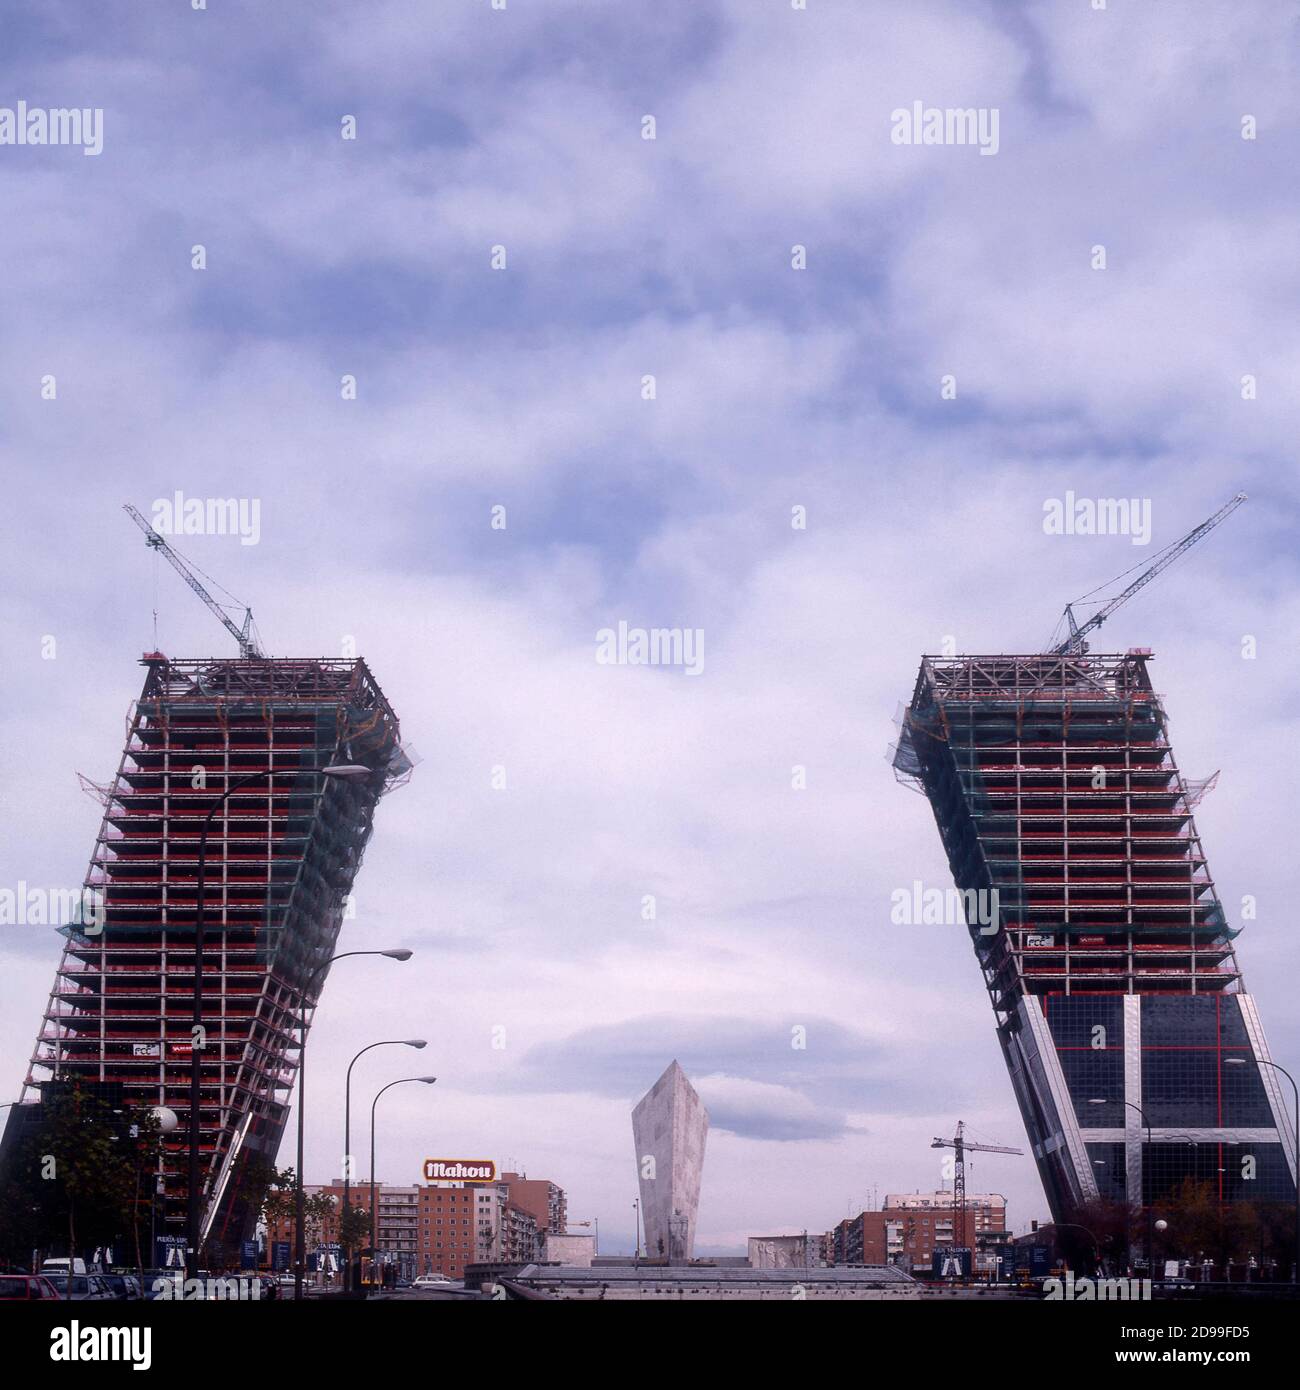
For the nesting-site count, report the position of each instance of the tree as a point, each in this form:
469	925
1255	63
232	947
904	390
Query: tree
274	1190
354	1226
1108	1223
76	1174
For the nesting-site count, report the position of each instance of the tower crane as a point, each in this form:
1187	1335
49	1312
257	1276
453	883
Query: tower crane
1075	645
963	1146
243	635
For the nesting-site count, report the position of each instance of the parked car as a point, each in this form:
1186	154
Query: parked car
21	1288
124	1286
431	1281
60	1266
84	1287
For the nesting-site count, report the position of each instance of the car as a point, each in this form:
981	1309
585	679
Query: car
431	1281
22	1288
84	1288
124	1286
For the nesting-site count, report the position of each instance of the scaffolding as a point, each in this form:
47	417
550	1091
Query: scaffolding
281	857
1054	782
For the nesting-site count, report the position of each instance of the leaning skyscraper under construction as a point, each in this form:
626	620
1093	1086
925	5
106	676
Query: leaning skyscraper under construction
1114	983
1136	1053
246	745
232	832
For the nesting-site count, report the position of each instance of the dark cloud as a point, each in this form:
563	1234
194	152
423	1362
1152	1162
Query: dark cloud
753	1080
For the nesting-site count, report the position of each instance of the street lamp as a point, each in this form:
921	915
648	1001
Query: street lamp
374	1215
1241	1062
193	1196
347	1139
168	1122
1151	1273
300	1200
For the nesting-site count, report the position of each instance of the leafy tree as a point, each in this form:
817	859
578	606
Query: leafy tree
354	1226
75	1176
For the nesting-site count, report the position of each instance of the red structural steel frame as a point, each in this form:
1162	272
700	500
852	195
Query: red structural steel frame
281	857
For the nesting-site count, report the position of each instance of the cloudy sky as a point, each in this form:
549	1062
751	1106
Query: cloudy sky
518	133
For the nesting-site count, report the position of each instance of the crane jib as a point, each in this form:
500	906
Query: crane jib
1075	643
242	635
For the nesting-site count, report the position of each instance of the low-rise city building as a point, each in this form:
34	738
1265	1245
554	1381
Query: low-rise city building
909	1227
441	1227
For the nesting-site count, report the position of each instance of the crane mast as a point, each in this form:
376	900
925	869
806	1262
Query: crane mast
1075	644
243	635
962	1146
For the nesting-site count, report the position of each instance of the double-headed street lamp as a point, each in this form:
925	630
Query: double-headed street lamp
374	1214
347	1140
1151	1185
1295	1090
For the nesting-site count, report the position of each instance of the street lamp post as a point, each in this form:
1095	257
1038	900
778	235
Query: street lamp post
374	1214
1151	1273
194	1196
1295	1091
347	1140
299	1197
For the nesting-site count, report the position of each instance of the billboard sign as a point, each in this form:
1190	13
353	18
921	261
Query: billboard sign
169	1252
951	1263
460	1170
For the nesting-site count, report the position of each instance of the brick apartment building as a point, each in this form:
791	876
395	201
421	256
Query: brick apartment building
911	1226
545	1200
441	1228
